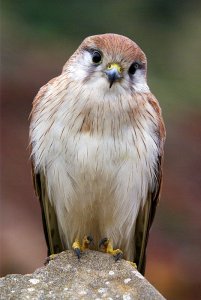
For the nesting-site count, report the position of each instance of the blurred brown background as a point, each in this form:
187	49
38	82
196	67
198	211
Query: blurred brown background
37	37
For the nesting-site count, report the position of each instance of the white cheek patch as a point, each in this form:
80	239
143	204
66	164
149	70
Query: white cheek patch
79	69
140	83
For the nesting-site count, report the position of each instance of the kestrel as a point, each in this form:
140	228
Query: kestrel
97	138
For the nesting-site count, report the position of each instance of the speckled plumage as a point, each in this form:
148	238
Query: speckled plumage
97	151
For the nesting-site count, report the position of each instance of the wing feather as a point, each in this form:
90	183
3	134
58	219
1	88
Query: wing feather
50	224
147	213
144	222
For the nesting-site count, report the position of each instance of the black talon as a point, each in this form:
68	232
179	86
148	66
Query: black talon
77	252
90	240
118	256
103	242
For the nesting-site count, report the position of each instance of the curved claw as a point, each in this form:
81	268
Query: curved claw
77	252
103	243
90	240
118	256
79	248
106	246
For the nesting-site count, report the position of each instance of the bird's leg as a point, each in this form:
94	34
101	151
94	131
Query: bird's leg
78	248
106	246
86	242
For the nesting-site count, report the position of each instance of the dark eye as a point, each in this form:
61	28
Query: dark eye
133	68
96	57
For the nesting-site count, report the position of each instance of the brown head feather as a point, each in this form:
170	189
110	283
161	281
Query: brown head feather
112	45
115	43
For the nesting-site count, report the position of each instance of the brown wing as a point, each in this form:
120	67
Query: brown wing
49	218
147	213
144	222
50	224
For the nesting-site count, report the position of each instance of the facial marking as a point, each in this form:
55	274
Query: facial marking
98	53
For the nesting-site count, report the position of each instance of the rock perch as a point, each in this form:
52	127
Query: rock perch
94	276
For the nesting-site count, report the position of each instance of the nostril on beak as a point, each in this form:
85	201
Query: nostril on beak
113	72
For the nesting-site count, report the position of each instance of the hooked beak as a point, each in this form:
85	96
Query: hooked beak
114	73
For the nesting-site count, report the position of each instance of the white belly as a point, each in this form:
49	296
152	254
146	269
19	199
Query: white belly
97	186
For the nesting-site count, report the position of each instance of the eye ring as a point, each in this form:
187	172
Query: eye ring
96	57
134	66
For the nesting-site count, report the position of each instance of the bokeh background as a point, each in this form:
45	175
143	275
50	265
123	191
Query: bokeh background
37	37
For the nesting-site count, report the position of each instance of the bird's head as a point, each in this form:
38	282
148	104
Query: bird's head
109	62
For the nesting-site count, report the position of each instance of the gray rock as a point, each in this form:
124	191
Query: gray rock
95	276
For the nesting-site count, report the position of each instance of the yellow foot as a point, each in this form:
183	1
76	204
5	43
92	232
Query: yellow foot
106	246
51	257
79	248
